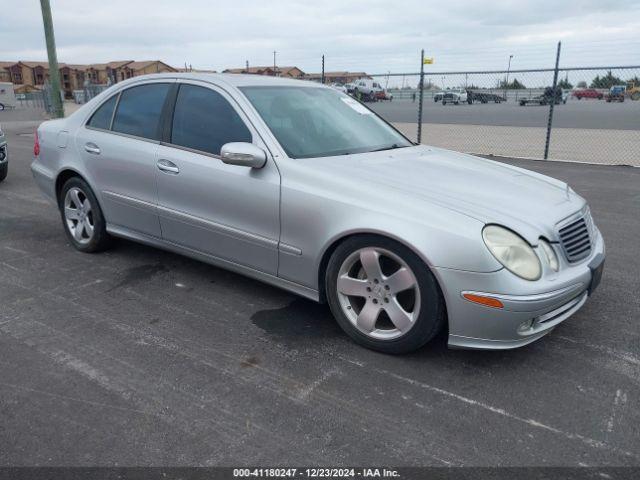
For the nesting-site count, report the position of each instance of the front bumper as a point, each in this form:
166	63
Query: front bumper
531	309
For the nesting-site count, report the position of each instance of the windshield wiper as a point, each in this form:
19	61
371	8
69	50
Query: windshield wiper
392	147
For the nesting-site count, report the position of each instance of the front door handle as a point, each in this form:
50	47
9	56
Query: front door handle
92	148
168	167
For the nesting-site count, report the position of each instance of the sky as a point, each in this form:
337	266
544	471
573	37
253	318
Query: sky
372	36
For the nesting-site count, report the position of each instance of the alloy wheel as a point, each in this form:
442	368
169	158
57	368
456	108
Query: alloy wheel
78	215
379	293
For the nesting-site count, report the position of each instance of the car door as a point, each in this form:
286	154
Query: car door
119	146
226	211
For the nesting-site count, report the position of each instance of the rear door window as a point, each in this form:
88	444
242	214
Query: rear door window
204	120
139	110
101	118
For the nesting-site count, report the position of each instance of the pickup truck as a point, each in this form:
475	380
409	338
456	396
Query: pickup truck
365	89
4	156
616	94
455	96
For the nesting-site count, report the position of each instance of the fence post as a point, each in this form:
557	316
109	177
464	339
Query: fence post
421	87
553	103
322	69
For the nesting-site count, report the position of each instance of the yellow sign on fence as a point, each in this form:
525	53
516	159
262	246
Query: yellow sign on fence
428	60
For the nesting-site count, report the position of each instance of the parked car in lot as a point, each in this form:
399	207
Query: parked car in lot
384	95
4	156
365	89
547	97
587	93
302	187
455	96
616	94
340	87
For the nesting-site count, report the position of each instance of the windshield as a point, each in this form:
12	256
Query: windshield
321	122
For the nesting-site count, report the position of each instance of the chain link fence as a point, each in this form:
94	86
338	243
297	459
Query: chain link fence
595	118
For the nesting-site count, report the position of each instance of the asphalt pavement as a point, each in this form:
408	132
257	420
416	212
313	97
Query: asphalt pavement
588	114
137	356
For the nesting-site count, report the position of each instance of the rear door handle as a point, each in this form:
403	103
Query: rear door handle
168	167
92	148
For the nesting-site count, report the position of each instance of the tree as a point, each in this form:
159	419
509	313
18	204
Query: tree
513	85
566	84
635	80
608	81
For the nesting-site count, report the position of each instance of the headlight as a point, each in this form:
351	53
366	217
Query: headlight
550	255
512	251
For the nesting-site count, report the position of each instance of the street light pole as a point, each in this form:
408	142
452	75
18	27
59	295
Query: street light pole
274	63
506	82
54	73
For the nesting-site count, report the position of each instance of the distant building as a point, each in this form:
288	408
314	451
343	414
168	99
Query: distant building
287	72
26	75
336	77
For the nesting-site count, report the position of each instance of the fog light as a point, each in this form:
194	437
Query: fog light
526	326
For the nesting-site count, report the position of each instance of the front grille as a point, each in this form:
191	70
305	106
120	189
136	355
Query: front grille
575	239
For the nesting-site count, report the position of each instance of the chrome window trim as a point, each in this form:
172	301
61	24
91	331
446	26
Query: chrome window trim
126	135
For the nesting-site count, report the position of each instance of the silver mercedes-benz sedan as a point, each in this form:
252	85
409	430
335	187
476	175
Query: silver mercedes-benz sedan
303	187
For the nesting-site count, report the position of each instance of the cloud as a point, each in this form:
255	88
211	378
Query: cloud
376	36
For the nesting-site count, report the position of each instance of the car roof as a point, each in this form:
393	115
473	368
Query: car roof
233	79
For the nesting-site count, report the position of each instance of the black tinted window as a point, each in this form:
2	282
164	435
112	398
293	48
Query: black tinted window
102	117
205	121
139	110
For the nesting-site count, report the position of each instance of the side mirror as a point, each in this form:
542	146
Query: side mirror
243	155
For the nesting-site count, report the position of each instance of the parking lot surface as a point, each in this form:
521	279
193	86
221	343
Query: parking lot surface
588	114
141	357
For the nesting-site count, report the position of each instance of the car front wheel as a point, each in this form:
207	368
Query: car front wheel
82	217
383	295
4	168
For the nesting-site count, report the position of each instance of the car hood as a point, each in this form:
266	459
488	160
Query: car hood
489	191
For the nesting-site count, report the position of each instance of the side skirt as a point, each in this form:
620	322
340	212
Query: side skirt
296	288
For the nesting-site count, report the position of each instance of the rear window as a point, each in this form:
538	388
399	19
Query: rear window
102	116
139	109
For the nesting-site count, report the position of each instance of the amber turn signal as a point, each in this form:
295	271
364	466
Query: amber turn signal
486	301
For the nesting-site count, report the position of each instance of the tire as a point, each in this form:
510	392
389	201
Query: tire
4	169
1	106
72	203
417	306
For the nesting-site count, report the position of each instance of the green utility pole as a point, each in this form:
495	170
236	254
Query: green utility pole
54	73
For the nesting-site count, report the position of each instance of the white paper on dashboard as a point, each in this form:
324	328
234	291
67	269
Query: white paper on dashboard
356	106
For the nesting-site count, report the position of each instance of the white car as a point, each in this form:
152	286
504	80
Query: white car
340	87
366	88
454	96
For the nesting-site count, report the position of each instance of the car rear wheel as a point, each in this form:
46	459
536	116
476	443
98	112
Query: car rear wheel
383	295
82	217
1	107
4	168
